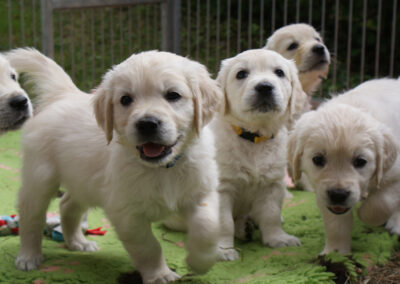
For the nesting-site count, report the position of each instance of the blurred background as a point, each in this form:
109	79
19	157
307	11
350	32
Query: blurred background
87	37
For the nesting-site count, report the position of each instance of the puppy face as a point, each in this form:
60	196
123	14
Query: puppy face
156	102
261	88
343	152
302	43
15	106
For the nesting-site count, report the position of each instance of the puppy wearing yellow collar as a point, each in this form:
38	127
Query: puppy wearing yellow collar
262	93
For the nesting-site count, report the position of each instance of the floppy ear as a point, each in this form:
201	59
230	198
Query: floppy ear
206	97
295	152
104	111
221	79
387	151
298	103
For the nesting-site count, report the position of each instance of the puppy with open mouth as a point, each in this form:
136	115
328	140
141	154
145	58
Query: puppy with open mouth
348	149
303	44
15	106
262	92
155	159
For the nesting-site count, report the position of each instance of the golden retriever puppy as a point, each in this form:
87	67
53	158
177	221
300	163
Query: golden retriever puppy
262	92
303	43
156	157
348	149
15	106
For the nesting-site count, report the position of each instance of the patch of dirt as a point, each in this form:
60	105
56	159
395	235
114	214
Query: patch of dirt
339	269
130	278
387	274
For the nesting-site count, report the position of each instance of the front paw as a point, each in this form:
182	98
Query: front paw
28	262
83	246
228	254
164	276
341	250
281	240
201	262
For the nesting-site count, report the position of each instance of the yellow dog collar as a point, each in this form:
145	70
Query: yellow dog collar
250	136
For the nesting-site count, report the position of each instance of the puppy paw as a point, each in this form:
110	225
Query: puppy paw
281	240
228	254
83	246
161	277
28	262
393	225
201	262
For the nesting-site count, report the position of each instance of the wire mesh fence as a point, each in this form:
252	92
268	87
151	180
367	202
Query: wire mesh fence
361	35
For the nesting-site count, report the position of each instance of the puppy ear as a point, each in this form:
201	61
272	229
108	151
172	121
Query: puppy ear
387	151
206	97
104	111
298	103
221	79
295	153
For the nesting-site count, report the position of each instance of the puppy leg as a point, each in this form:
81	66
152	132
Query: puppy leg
380	206
226	244
337	231
33	199
266	212
203	233
145	251
393	224
71	217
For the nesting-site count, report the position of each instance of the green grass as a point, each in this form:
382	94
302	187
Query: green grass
258	264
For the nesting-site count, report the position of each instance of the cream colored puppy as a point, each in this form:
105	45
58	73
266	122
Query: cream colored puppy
262	92
303	43
15	106
348	149
156	157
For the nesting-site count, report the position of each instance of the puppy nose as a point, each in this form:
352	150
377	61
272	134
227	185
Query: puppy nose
264	88
318	49
338	195
148	126
18	102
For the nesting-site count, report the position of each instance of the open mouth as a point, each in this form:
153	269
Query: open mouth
338	210
150	151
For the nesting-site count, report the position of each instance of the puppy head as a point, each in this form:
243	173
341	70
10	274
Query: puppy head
343	151
156	102
261	89
302	43
15	106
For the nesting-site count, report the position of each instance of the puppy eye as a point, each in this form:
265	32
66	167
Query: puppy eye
13	76
173	96
319	160
242	74
126	100
359	162
318	39
279	73
293	46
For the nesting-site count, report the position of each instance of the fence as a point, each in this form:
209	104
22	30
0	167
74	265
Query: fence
361	35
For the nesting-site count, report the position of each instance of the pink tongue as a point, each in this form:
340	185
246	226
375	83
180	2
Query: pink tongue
338	209
152	150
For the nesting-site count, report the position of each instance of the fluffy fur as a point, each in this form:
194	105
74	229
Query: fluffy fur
303	43
348	149
252	185
15	106
138	170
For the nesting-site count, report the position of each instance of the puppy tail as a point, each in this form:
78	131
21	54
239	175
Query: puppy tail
48	80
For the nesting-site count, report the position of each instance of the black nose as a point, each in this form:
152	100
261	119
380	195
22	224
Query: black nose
148	126
318	49
18	102
264	88
338	195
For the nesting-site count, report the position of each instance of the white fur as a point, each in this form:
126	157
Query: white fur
252	175
11	118
63	145
362	123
